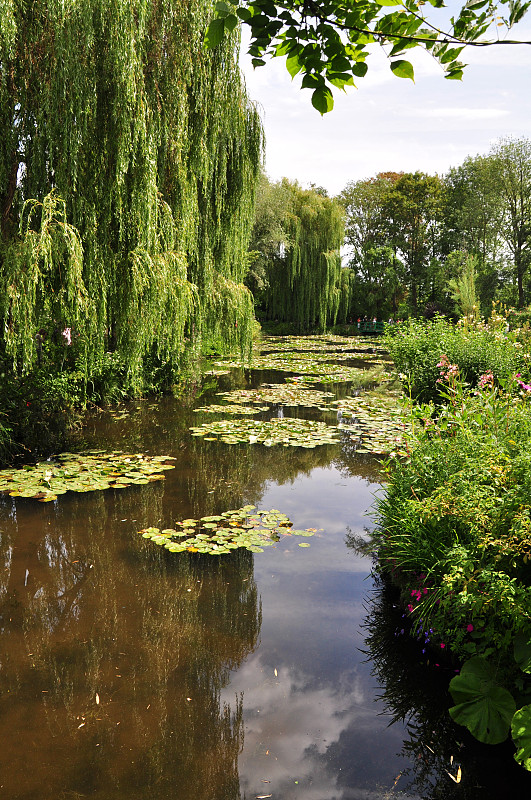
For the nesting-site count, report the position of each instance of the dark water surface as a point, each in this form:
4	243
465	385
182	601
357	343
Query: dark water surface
129	672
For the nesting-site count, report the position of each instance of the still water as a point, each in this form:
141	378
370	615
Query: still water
129	672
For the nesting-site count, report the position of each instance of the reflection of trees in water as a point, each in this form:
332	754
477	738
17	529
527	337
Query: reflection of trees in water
416	691
90	611
239	474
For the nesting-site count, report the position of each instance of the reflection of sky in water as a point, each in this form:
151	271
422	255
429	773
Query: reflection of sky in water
312	729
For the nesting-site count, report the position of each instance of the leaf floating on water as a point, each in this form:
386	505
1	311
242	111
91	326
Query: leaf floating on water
284	431
219	534
82	472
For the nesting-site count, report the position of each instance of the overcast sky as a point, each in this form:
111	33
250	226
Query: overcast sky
389	123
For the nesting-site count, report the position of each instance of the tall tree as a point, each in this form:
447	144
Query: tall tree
378	270
473	218
306	282
512	163
128	158
413	207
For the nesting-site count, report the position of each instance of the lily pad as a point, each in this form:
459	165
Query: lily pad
279	394
284	431
237	528
82	472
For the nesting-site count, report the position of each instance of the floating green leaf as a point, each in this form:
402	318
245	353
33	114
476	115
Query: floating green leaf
278	394
242	527
82	472
285	431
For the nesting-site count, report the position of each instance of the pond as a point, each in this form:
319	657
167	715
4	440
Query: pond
127	671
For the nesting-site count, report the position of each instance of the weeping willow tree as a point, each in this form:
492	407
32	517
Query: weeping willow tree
128	160
306	283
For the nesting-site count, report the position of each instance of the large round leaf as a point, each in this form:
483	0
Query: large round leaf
521	731
483	707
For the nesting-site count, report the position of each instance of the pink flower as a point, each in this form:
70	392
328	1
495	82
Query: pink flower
469	628
443	645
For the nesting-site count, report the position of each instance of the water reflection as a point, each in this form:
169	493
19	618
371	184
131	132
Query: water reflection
113	657
415	690
126	672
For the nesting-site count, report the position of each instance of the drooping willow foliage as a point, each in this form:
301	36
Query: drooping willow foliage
307	285
128	160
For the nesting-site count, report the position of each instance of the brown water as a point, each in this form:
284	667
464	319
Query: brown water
129	672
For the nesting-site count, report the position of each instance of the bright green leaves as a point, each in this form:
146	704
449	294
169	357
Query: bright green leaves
83	472
216	535
521	733
226	20
215	32
329	41
402	69
322	99
482	706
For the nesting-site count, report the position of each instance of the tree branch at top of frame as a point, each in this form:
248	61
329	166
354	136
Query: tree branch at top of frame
328	42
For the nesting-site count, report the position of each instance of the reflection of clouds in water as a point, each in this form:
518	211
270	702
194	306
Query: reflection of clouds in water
290	728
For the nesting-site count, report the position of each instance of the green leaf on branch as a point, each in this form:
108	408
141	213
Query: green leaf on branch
293	65
231	21
403	69
312	81
322	100
483	707
521	732
215	33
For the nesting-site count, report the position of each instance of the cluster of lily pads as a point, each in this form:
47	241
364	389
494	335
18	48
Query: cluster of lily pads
218	534
286	432
375	420
232	408
322	372
282	394
82	472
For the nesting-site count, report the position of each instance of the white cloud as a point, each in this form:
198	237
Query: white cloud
393	124
291	726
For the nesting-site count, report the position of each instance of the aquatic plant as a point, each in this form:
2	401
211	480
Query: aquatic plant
286	431
218	534
83	472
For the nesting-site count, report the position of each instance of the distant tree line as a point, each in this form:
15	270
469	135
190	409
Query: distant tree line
413	244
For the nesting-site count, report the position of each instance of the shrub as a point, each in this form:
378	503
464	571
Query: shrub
416	348
454	532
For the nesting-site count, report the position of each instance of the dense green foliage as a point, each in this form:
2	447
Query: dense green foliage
329	41
128	162
417	347
454	532
296	240
424	244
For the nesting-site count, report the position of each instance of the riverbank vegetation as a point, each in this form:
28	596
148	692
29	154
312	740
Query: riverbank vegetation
454	523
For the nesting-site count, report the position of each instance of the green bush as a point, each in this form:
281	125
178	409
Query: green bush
416	348
454	532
